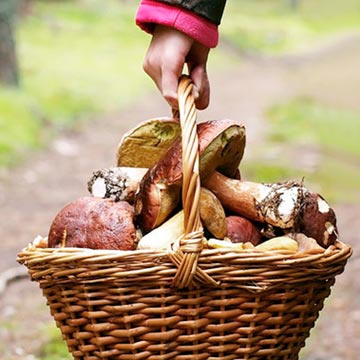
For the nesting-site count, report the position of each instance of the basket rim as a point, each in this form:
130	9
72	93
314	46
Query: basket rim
252	270
33	254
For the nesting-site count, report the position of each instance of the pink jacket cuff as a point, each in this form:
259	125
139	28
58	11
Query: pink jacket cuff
152	12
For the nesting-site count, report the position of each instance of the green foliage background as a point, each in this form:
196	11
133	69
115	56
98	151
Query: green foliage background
77	60
273	26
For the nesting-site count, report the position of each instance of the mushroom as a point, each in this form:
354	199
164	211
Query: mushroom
143	145
94	223
121	184
287	205
317	220
279	243
165	234
240	229
307	244
276	204
221	147
117	183
212	214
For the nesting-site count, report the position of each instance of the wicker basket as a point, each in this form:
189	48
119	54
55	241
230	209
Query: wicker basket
185	302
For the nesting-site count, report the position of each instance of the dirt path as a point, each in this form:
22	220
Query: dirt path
32	194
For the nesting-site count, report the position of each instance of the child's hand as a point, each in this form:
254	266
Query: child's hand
169	50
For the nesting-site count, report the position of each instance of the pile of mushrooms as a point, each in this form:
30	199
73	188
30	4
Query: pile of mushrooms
235	213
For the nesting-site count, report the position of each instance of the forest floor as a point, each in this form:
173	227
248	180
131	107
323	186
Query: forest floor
31	194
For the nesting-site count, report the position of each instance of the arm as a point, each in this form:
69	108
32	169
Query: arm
183	33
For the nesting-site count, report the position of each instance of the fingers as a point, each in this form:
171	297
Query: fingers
169	84
201	87
196	61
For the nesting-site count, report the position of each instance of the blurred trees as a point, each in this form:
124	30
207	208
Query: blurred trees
9	74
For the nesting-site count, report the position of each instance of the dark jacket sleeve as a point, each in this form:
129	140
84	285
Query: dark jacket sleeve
211	10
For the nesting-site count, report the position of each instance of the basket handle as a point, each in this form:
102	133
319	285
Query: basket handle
190	244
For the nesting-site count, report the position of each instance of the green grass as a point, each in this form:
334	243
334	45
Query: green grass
304	124
304	121
20	127
272	27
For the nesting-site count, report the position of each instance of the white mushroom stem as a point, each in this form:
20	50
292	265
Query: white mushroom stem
117	183
276	204
164	235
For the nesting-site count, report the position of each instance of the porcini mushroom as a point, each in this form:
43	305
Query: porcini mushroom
117	183
279	243
307	244
94	223
212	214
143	145
277	204
165	234
242	230
287	205
317	220
221	147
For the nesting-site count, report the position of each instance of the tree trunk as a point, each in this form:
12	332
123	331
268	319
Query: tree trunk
8	60
294	4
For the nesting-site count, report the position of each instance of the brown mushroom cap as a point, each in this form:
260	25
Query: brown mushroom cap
240	229
94	223
317	220
143	145
221	147
212	213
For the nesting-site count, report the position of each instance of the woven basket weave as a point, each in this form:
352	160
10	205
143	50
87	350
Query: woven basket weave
185	302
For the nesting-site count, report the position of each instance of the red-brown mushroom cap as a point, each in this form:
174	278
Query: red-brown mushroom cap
94	223
221	147
317	220
240	229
